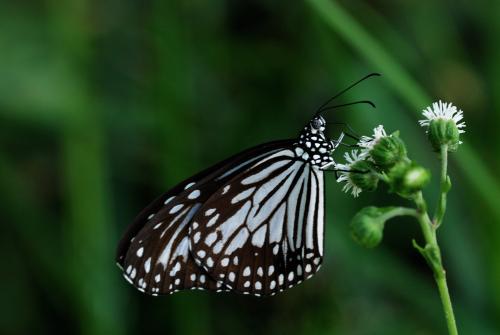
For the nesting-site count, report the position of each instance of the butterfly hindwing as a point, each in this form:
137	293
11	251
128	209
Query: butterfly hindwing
154	252
158	260
262	231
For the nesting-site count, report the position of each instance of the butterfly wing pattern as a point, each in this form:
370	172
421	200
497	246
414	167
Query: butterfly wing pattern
154	252
262	232
252	224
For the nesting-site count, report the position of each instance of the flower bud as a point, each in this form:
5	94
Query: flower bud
388	151
363	177
367	226
443	132
407	178
358	173
444	124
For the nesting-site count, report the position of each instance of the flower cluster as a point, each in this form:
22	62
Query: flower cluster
382	157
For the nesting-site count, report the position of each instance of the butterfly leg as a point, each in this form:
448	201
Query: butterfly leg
331	167
338	142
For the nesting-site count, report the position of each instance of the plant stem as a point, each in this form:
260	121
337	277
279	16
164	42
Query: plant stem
399	211
432	255
445	187
446	301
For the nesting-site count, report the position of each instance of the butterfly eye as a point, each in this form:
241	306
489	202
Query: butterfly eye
316	124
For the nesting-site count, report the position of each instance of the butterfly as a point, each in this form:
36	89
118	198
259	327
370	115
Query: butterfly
251	224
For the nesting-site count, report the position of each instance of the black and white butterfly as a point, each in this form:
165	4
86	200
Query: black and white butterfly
252	224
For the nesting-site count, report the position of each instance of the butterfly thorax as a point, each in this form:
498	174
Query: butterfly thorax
313	146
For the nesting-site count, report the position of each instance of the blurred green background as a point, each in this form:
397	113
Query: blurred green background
106	104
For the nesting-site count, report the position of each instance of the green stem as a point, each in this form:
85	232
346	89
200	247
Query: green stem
398	211
424	220
446	301
445	187
432	255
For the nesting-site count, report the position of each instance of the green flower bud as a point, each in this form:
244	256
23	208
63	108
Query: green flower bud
367	226
358	173
407	178
443	132
388	151
444	125
363	177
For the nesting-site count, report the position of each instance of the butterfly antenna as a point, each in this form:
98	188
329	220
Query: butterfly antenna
348	104
319	110
356	135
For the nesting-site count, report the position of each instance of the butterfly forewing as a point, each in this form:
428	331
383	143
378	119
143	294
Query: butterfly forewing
262	231
154	252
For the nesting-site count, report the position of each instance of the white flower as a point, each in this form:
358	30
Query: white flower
444	111
344	175
368	142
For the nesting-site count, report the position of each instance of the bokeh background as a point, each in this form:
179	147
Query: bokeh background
106	104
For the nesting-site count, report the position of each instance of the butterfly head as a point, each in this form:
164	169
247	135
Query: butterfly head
313	145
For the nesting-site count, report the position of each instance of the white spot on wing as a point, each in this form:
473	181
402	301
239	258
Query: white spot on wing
176	208
168	200
210	239
276	249
212	221
259	237
175	269
232	276
242	195
226	188
238	241
147	265
272	285
195	194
